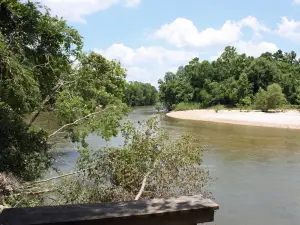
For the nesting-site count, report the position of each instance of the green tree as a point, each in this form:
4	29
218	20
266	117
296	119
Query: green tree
244	90
232	79
270	99
24	152
174	89
37	74
140	94
149	165
261	73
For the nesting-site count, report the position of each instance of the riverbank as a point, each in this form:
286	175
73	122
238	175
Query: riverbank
288	119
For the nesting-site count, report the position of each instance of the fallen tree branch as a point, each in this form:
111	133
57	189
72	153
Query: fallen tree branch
31	193
61	176
75	122
137	197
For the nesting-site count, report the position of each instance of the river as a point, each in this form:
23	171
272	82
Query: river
256	170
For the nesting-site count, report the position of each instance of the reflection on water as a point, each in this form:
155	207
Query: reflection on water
257	169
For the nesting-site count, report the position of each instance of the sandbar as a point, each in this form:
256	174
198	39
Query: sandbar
289	119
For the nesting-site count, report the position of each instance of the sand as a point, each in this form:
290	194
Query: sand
287	119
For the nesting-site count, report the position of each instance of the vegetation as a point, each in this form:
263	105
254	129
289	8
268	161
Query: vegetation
149	165
232	80
186	106
37	74
43	68
140	94
270	99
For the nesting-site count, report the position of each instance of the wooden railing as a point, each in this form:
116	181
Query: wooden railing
188	210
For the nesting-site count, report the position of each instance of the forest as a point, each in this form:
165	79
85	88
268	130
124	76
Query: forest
235	80
140	94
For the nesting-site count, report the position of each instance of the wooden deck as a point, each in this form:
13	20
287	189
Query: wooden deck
188	210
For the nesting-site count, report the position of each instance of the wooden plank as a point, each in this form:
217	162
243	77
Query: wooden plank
188	210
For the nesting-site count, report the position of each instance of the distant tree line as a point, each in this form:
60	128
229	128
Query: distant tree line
140	94
235	80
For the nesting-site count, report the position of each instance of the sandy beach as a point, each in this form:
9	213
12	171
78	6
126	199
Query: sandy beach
289	119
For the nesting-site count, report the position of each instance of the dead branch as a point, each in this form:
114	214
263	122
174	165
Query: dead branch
61	176
74	123
137	197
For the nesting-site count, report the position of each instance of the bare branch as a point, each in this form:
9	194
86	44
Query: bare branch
137	197
59	177
32	193
74	123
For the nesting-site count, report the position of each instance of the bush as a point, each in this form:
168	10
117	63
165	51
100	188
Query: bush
187	106
218	107
159	106
270	99
172	167
244	103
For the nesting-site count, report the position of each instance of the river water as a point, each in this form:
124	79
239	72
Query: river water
256	170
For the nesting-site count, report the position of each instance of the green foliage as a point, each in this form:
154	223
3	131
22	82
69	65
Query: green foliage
159	106
261	73
186	106
35	51
245	103
140	94
174	89
42	67
232	80
97	87
172	168
217	108
270	99
24	152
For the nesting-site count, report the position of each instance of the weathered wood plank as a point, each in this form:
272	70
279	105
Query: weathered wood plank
188	210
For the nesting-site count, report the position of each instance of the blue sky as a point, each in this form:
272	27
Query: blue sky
151	37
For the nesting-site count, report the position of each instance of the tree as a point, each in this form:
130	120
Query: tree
140	94
149	165
232	79
270	99
24	152
174	89
261	73
37	74
244	90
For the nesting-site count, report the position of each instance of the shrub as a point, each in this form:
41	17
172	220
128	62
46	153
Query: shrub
270	99
187	106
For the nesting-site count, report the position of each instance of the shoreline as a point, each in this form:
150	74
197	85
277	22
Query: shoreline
290	119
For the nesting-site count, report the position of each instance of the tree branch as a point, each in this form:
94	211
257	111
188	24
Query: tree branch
75	122
59	177
46	100
137	197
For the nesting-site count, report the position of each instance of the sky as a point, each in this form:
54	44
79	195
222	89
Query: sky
152	37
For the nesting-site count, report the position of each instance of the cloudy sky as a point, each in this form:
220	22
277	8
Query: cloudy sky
151	37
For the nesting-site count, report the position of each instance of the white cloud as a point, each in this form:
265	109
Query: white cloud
132	3
296	1
147	64
182	32
255	25
77	10
255	49
289	29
